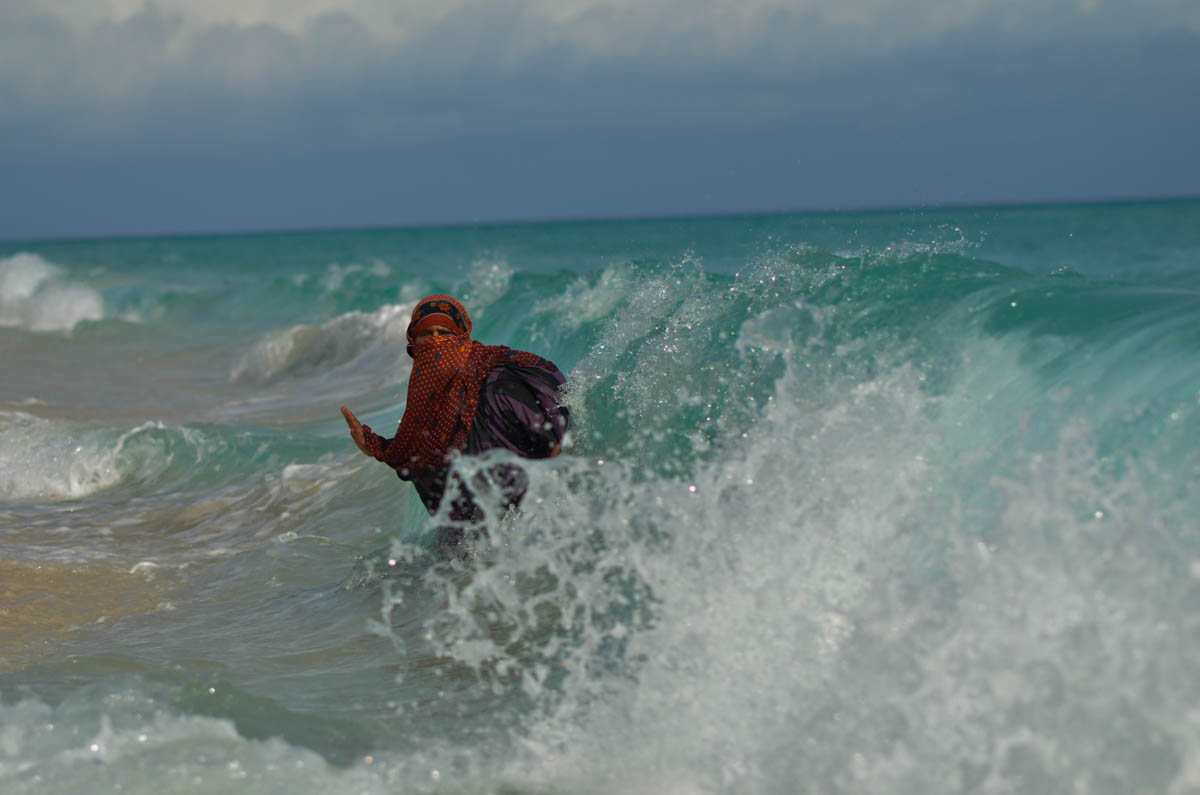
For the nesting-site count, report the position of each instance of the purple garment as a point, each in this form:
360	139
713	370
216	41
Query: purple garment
518	411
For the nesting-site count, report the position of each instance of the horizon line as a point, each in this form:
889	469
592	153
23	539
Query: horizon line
602	219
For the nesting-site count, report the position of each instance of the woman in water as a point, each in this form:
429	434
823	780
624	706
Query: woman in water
466	397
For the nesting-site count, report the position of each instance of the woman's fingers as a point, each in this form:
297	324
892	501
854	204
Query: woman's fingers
356	431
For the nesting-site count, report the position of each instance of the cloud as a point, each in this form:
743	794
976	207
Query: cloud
616	25
409	72
267	113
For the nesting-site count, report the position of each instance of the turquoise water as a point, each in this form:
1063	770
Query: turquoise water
861	503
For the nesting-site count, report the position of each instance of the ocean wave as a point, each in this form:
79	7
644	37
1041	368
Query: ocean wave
337	276
91	742
36	296
49	460
917	515
305	348
914	586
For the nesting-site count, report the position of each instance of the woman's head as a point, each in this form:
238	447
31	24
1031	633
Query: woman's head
437	315
439	310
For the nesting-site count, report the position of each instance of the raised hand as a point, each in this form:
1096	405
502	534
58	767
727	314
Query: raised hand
356	430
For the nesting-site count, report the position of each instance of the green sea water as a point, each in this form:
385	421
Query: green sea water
881	502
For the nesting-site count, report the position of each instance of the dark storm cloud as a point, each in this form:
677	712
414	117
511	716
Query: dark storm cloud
491	114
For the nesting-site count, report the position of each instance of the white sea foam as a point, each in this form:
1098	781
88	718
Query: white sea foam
35	296
129	742
829	618
44	459
755	601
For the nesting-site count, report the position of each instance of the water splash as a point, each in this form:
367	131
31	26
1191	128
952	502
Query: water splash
35	296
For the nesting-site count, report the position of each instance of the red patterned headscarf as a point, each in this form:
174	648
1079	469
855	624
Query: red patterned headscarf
443	389
438	310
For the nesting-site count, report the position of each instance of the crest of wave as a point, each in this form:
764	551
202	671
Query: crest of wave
307	348
35	296
49	460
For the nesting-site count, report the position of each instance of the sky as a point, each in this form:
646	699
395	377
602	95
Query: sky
181	116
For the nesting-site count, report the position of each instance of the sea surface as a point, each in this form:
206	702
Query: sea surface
888	502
